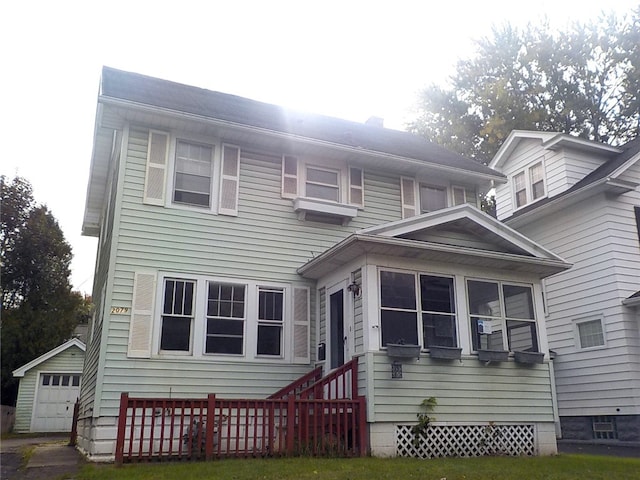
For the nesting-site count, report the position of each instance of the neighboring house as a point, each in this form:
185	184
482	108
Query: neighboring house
49	388
581	199
241	245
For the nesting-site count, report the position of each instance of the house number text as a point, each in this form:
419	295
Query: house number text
119	310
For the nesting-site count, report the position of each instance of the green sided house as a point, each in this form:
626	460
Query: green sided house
260	268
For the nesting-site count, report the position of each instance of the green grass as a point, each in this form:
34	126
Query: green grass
561	467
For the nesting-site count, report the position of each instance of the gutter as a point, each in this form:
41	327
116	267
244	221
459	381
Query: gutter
288	136
517	220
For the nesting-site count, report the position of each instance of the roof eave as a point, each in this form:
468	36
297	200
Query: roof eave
413	162
543	267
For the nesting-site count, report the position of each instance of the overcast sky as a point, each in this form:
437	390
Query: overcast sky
350	58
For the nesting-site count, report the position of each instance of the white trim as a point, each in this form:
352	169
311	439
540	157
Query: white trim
440	217
20	371
528	185
216	162
250	320
36	391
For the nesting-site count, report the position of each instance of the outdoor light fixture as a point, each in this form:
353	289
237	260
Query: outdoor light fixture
354	288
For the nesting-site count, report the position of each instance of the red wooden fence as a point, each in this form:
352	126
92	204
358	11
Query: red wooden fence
307	422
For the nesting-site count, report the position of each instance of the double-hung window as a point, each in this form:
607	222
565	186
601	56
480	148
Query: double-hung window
177	315
432	198
270	321
529	185
225	318
193	174
502	316
412	311
323	183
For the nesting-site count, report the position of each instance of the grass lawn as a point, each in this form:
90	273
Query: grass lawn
561	467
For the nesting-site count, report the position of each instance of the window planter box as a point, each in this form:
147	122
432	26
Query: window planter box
446	353
399	350
529	357
493	355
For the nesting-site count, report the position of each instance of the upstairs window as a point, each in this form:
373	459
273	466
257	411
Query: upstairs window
432	198
462	195
323	184
529	185
193	172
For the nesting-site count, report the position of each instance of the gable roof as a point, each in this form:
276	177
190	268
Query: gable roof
550	141
74	342
142	90
516	252
605	176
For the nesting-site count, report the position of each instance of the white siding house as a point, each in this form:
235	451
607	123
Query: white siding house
242	245
588	212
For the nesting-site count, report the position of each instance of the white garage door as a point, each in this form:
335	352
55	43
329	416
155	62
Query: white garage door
57	393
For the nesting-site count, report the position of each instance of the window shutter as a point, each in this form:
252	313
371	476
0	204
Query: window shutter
356	187
229	180
144	286
408	193
156	172
289	176
301	327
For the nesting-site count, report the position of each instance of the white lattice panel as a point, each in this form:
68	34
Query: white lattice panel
466	441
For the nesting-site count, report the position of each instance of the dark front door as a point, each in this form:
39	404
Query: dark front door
336	318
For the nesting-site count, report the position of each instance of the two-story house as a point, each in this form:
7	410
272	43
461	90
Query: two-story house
241	245
582	200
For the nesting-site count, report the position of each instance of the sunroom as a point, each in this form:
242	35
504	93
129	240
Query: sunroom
448	305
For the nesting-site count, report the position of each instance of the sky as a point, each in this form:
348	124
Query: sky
351	59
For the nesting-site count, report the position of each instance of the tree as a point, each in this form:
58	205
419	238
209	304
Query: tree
39	308
584	81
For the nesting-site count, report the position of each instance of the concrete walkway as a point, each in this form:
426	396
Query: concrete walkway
51	457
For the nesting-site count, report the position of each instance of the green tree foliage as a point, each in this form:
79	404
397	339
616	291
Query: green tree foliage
584	81
39	309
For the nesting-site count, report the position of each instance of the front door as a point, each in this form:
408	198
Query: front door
339	326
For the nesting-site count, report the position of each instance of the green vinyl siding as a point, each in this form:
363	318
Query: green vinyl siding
265	242
70	360
358	319
466	391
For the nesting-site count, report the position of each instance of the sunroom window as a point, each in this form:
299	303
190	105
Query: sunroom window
402	305
398	314
502	316
438	311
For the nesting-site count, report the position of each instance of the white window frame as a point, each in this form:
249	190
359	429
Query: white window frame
338	185
199	323
434	186
465	191
576	331
216	146
528	184
160	310
264	322
418	308
503	319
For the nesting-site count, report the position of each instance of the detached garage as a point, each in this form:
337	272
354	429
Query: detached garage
49	387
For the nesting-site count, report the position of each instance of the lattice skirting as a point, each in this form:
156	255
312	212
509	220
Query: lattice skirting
466	441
